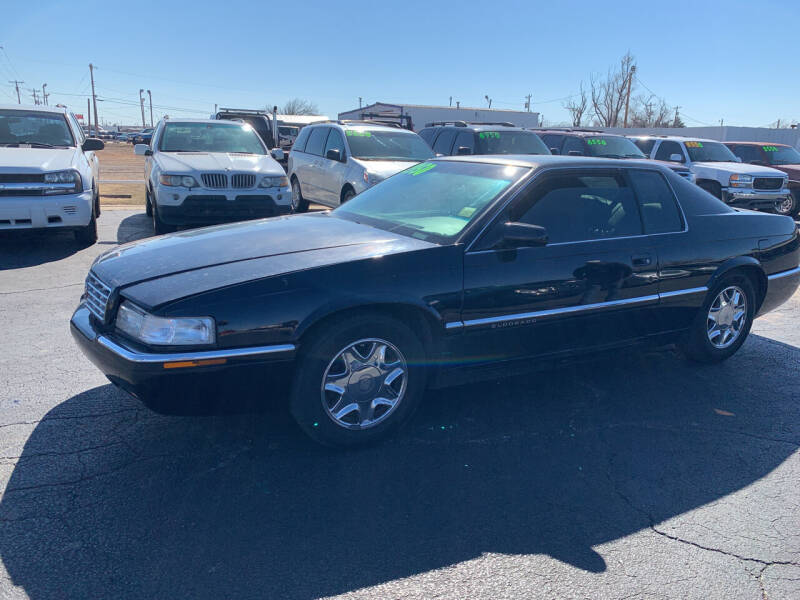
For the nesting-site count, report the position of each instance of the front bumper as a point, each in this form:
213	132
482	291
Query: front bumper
140	373
199	206
780	287
39	212
753	199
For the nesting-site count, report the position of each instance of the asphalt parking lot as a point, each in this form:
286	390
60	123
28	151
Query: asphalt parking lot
636	475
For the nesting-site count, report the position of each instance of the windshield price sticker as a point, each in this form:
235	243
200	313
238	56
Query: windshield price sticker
770	148
596	142
694	144
421	168
351	133
489	135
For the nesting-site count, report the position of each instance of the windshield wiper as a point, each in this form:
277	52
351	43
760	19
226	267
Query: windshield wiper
37	144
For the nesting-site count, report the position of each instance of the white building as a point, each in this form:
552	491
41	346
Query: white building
420	115
727	133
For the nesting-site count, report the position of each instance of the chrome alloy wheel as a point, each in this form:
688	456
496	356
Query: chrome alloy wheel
785	207
364	383
295	195
726	317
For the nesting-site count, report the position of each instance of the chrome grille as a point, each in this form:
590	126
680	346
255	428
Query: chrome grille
97	296
215	180
243	180
767	183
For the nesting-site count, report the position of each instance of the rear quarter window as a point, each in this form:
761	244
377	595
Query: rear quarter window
300	143
694	200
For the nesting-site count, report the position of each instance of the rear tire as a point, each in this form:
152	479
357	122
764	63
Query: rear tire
299	204
698	345
378	363
87	236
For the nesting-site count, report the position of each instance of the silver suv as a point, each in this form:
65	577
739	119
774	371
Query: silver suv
333	161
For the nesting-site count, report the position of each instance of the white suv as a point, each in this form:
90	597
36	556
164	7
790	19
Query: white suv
204	171
331	162
48	172
719	171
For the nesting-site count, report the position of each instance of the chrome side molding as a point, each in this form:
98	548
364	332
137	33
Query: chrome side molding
155	357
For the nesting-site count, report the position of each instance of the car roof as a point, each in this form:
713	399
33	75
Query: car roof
217	121
758	144
35	108
674	138
477	127
358	126
535	161
578	132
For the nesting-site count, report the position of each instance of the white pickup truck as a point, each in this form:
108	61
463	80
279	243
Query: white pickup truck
720	172
48	172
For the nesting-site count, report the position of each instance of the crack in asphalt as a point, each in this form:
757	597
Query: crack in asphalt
68	417
47	289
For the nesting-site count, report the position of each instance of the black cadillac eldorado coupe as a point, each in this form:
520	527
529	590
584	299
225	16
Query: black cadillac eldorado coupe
449	266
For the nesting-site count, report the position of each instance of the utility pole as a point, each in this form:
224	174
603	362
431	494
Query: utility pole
94	96
35	99
88	117
489	100
451	101
778	126
141	104
675	122
44	93
16	84
359	102
628	95
528	102
149	95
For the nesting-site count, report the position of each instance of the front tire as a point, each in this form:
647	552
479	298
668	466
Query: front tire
348	194
158	225
791	206
723	323
713	188
358	380
148	204
299	204
87	236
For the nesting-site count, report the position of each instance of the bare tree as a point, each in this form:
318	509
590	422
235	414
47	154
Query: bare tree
650	111
608	94
577	108
298	106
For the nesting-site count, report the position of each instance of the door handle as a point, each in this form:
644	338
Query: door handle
642	260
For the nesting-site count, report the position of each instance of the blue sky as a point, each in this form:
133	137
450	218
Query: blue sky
732	60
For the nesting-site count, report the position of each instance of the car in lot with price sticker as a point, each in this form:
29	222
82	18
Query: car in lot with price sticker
591	142
459	138
456	267
719	172
778	156
202	172
49	172
331	162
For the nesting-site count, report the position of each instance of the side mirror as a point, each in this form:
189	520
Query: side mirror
555	151
463	151
142	150
277	154
574	153
334	154
516	235
738	159
90	144
675	158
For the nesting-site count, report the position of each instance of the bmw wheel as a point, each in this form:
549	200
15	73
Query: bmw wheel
358	380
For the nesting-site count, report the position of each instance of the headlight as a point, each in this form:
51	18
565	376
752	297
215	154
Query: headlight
162	331
269	182
178	180
741	181
70	176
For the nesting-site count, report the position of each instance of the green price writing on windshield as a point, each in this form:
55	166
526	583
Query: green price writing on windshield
489	134
421	168
596	142
770	148
351	133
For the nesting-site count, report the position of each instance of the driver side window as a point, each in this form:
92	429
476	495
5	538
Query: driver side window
581	206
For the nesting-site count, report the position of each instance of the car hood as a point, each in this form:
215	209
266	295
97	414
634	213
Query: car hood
189	162
35	160
736	167
289	244
385	168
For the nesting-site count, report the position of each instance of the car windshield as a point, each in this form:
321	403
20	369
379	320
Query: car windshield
387	145
781	155
612	147
709	152
47	130
510	142
432	201
223	136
